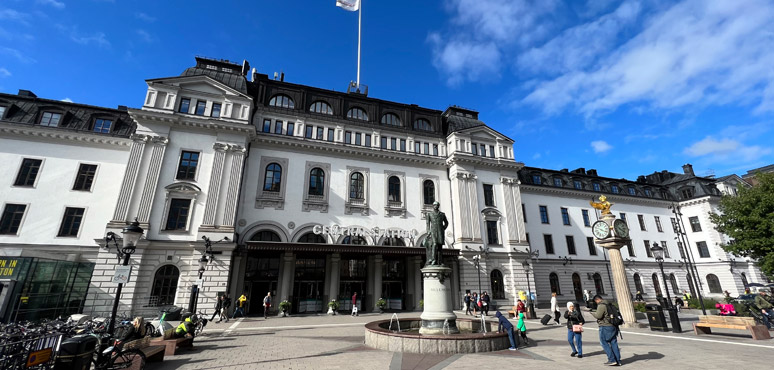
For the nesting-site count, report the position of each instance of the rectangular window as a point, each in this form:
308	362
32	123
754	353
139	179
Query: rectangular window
2	112
543	214
595	186
309	132
12	218
703	250
347	137
368	140
648	252
185	105
536	179
266	125
201	105
483	150
402	145
358	138
570	244
695	224
215	110
632	191
565	217
549	242
641	219
491	151
524	213
50	119
28	172
383	142
102	126
489	195
291	129
614	189
85	177
435	149
393	143
586	219
666	249
320	133
278	127
427	148
186	170
474	148
681	250
331	134
592	247
558	182
630	249
177	218
417	147
577	184
491	232
648	193
71	222
658	224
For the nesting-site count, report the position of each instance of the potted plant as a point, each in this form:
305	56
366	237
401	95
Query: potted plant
333	306
381	304
284	306
421	304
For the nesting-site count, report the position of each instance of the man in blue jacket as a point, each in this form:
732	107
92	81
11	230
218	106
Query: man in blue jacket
506	325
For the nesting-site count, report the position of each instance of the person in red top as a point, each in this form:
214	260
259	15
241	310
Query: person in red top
520	307
354	304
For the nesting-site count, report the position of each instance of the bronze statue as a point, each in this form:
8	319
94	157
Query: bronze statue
436	235
603	205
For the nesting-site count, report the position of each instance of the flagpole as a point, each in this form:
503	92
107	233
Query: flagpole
359	18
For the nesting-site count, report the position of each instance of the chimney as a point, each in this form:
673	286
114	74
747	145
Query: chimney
688	169
27	93
123	108
581	171
591	172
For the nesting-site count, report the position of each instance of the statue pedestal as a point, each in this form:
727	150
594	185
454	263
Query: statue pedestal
438	307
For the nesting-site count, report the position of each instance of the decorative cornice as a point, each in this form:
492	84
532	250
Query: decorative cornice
510	181
585	194
159	140
463	158
61	134
220	147
693	202
173	118
236	148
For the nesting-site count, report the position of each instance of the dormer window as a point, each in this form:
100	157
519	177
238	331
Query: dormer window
686	193
357	113
577	184
536	179
282	101
614	189
632	191
2	112
201	105
596	186
558	182
648	193
390	119
215	110
102	125
423	124
50	119
210	66
321	107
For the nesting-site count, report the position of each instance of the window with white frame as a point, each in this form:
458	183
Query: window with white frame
317	187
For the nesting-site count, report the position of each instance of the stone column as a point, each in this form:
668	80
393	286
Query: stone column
237	158
286	280
152	179
438	308
121	213
368	299
211	206
334	278
613	244
377	279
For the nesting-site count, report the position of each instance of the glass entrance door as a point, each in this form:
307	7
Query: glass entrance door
308	284
393	282
261	275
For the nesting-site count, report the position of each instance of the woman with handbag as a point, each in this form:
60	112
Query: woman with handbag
575	323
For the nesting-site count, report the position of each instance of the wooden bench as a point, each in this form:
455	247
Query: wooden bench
511	314
172	344
759	332
152	353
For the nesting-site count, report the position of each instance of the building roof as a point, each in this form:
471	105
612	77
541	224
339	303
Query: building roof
228	73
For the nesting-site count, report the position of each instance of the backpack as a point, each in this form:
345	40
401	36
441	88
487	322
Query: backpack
614	315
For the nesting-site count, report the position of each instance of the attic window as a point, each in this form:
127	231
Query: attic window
102	125
228	70
210	66
2	112
50	119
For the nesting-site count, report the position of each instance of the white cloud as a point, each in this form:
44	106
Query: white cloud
96	38
144	17
464	59
67	100
536	156
54	3
13	15
18	55
725	149
145	36
600	146
4	72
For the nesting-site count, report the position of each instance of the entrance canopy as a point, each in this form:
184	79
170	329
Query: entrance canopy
341	248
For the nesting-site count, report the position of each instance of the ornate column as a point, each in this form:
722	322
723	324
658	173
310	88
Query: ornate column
237	159
159	144
211	207
333	277
121	213
472	198
288	270
377	279
510	210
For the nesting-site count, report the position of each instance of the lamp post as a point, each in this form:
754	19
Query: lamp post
477	262
530	304
195	287
131	234
684	245
658	254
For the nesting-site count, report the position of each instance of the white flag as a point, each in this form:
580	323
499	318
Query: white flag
351	5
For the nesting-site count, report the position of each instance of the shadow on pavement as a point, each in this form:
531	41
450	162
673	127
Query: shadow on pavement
648	356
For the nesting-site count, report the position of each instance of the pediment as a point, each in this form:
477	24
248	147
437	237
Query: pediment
486	133
205	84
183	187
491	212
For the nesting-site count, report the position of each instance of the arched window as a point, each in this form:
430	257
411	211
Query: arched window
657	285
354	240
357	113
714	284
553	279
164	285
312	238
391	119
393	191
272	178
423	124
673	282
316	181
394	241
321	107
638	283
356	186
600	288
428	190
498	287
265	236
282	101
744	280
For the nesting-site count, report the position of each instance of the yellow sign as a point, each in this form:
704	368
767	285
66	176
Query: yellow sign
39	357
7	267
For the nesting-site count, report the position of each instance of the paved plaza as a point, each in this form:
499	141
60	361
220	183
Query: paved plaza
325	342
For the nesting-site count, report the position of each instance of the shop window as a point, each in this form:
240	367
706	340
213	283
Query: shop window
164	286
311	237
265	236
497	284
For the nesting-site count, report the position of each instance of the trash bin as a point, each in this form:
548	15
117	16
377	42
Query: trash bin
173	313
76	353
656	317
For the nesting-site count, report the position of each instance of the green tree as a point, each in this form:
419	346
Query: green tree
748	219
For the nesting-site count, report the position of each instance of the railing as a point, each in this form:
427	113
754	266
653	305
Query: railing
35	353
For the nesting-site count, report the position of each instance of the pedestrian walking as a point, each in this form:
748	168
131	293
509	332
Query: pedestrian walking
266	305
354	304
522	328
474	303
240	306
520	307
226	306
466	299
218	308
767	309
575	323
505	326
608	333
485	303
678	303
555	309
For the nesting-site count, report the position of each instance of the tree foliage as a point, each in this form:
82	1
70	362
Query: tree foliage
748	219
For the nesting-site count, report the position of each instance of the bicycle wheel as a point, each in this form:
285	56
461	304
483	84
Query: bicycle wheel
132	359
199	328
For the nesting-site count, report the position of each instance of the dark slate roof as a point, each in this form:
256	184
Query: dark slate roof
234	81
27	110
459	123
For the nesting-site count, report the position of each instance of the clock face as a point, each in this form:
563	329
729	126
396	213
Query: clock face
600	229
621	229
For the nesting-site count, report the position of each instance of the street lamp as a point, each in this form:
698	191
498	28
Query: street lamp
477	262
530	304
195	287
131	234
658	254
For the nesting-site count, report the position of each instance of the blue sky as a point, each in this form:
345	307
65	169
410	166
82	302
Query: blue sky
626	87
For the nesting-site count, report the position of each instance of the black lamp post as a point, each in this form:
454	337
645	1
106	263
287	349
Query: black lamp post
195	287
131	234
530	303
658	254
477	262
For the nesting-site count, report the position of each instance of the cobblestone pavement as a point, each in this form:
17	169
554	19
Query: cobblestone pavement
325	342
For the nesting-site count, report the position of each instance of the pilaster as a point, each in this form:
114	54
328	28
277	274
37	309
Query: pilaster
159	144
232	194
213	191
121	213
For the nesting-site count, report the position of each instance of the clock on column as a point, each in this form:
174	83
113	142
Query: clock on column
621	228
601	230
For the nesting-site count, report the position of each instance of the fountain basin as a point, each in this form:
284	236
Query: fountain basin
408	340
